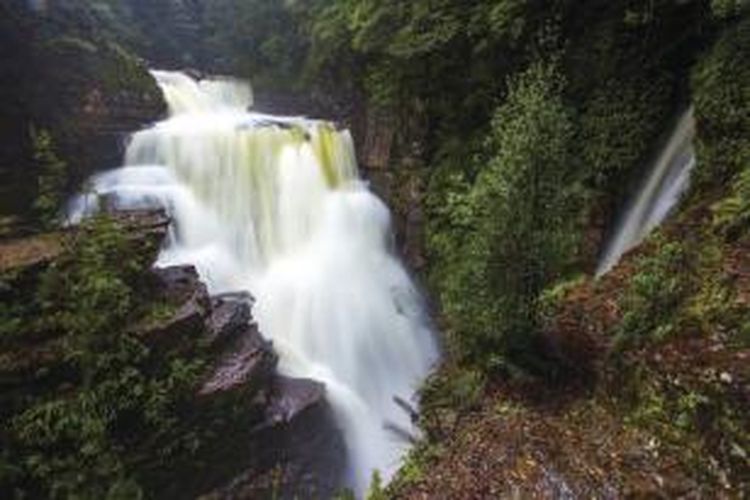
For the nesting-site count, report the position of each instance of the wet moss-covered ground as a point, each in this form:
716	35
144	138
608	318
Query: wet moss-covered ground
655	404
560	446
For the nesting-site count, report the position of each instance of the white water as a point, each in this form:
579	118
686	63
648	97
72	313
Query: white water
275	206
667	181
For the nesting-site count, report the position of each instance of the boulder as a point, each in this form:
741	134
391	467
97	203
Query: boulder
290	397
230	315
32	254
189	308
178	285
298	451
246	367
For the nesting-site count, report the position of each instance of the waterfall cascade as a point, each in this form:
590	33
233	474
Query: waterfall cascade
666	182
275	206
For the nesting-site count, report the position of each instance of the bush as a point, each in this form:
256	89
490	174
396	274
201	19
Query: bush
659	287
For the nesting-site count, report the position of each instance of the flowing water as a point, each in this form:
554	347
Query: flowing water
275	206
666	182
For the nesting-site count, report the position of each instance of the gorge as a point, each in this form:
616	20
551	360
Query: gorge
374	249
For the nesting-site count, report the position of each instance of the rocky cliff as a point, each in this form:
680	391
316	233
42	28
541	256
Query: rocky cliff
60	75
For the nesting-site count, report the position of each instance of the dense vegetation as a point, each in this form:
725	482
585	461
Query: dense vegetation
95	401
524	147
660	340
534	122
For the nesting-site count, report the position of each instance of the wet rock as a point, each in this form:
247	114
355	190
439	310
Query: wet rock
299	451
245	368
291	397
148	223
230	316
33	253
181	284
189	307
270	433
147	229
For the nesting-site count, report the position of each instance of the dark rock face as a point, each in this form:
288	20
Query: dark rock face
291	397
298	451
229	317
15	65
182	285
283	439
247	364
58	74
91	95
271	433
189	307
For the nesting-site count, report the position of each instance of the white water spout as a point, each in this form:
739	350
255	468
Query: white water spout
667	180
275	206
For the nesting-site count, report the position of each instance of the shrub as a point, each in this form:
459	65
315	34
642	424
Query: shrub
654	293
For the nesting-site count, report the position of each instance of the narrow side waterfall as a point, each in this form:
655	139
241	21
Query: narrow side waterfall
667	180
275	206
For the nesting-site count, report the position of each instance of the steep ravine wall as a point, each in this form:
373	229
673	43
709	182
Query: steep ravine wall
87	92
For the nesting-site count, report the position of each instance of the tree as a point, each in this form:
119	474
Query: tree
515	223
51	178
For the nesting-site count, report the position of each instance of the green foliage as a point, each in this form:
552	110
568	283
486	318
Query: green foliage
461	390
726	9
721	88
259	39
51	178
619	123
506	235
83	439
732	213
654	294
696	418
415	467
375	491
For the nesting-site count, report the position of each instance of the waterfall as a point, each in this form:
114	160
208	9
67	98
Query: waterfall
665	183
274	206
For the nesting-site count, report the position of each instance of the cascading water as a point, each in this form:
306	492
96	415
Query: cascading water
275	206
667	180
